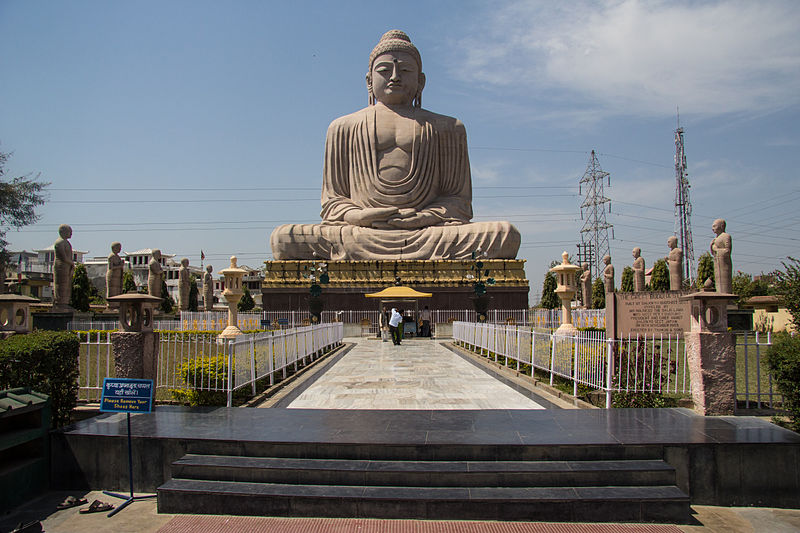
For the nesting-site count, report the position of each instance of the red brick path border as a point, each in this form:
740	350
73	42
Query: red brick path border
259	524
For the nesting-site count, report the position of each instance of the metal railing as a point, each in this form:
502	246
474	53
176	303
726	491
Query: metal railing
753	383
95	362
201	362
637	364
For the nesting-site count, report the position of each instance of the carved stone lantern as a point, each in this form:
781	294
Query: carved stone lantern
136	347
233	293
136	311
15	312
566	279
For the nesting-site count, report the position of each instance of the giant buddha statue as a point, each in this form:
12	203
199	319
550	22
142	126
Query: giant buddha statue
396	178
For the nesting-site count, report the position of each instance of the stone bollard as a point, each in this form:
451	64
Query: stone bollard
136	348
711	354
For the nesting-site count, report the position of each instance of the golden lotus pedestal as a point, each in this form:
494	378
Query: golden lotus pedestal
286	286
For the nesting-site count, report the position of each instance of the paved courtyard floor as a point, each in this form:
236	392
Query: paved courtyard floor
417	374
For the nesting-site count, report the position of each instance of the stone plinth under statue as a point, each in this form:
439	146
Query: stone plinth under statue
285	287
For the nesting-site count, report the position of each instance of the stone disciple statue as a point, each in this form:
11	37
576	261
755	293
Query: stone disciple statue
638	270
63	267
675	263
208	289
586	285
396	178
183	284
721	247
114	271
608	275
154	279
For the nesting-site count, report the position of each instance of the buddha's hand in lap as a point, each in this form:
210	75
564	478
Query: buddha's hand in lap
410	219
367	217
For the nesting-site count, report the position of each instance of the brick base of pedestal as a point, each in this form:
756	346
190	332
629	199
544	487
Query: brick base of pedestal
712	370
135	354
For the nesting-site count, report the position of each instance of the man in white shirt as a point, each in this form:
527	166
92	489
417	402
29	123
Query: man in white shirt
394	321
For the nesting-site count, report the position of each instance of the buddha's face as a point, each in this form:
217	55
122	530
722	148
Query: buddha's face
395	78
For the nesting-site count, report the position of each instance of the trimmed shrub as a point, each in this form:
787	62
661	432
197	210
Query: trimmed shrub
47	362
783	363
199	373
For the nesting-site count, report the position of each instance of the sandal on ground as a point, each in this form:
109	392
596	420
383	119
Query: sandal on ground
97	507
70	501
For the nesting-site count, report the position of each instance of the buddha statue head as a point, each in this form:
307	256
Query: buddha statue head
395	71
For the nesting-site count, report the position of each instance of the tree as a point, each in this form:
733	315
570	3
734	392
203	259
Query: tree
246	303
626	283
787	287
81	292
128	285
549	298
193	293
659	277
705	270
744	286
18	201
598	294
167	303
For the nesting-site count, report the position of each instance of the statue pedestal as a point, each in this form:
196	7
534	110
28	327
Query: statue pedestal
285	287
711	354
135	354
712	370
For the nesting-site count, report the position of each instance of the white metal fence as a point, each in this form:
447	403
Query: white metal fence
199	362
641	364
581	318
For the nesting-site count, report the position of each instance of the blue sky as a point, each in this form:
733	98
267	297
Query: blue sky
190	125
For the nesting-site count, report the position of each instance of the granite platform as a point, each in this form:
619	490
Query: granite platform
718	460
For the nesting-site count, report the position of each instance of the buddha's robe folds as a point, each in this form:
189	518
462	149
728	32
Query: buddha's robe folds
437	183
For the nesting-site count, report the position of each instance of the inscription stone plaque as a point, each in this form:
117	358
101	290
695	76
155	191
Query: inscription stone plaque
651	313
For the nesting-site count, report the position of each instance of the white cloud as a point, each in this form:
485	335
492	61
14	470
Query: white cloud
635	56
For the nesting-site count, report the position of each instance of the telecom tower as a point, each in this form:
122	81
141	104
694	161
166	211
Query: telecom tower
683	207
594	234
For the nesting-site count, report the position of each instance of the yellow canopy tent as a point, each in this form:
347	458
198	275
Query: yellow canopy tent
398	294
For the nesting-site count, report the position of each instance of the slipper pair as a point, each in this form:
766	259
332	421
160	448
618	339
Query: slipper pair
97	507
70	501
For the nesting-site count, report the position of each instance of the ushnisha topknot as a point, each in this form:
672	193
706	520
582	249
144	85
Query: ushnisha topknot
395	41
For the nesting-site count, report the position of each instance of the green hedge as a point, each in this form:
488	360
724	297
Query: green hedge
47	362
783	363
203	371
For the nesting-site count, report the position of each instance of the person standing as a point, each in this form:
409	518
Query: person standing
384	325
394	321
425	317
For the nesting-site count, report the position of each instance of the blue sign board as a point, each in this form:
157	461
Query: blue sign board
122	395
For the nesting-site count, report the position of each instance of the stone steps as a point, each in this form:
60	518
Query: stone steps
588	490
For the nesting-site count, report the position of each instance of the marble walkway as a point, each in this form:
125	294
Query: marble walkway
418	374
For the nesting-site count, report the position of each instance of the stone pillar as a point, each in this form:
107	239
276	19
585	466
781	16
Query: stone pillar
711	353
136	354
136	348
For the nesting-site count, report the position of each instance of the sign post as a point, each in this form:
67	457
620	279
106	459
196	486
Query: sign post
121	395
